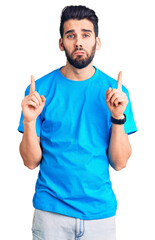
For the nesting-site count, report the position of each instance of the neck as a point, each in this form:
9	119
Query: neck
76	74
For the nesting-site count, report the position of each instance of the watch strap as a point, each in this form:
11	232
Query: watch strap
118	121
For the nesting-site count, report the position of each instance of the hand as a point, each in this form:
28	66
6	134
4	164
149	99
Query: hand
32	104
116	99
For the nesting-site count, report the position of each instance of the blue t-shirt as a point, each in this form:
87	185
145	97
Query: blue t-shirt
74	129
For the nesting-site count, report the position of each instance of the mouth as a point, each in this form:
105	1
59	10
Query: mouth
79	53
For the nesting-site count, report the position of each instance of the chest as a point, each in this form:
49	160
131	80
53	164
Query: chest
77	112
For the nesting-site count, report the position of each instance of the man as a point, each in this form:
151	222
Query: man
75	121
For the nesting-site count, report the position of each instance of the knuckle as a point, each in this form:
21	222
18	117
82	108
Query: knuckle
116	95
34	98
33	93
36	94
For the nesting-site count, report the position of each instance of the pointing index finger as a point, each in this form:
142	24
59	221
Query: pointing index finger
119	81
32	86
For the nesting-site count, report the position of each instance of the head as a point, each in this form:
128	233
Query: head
78	13
79	35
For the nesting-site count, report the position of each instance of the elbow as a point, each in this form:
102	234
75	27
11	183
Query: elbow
27	161
120	167
29	166
122	164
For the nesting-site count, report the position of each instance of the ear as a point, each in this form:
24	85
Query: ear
61	46
98	43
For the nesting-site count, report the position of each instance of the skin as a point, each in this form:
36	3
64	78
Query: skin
119	147
78	34
75	36
32	106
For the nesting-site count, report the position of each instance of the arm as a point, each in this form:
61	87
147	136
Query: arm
119	148
32	106
30	149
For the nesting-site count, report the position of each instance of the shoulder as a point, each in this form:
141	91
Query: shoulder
43	84
108	81
46	79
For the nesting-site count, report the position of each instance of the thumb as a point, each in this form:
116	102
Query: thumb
43	98
107	92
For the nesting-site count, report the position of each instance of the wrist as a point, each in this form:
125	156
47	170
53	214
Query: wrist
29	127
29	123
119	121
117	116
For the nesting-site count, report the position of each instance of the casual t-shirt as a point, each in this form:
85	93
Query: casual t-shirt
74	129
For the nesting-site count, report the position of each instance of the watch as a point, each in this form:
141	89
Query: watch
118	121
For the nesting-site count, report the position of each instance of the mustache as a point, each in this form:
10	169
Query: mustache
78	48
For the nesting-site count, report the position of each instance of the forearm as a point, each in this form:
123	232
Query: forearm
30	149
119	147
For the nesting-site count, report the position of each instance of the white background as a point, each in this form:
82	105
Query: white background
29	45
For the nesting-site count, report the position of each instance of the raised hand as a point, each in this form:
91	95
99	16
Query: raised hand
32	104
116	99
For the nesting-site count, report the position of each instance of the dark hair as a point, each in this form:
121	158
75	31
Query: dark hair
79	13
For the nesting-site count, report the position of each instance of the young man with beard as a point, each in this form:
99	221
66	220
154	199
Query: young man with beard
75	121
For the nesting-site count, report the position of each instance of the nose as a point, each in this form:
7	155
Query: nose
78	46
78	42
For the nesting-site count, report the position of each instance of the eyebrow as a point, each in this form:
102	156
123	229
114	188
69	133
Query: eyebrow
83	30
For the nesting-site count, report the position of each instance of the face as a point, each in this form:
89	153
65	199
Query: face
79	42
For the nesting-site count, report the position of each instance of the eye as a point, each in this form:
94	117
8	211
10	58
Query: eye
70	36
86	35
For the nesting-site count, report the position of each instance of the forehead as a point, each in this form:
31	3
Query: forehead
78	25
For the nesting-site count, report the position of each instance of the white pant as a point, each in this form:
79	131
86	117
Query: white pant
54	226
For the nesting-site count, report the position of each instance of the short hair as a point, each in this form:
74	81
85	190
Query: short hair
79	13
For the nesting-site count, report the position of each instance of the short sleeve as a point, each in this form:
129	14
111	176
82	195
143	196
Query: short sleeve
38	120
130	125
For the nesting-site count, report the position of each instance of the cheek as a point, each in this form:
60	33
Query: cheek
68	45
90	44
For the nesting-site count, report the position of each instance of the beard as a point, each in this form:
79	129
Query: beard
80	62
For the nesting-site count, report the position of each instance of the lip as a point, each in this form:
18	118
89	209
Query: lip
79	53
